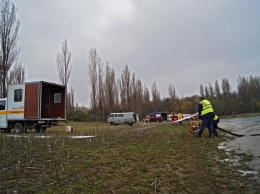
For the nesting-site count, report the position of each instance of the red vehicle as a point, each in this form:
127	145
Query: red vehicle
158	116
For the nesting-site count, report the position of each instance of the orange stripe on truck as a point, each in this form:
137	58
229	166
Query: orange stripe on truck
7	112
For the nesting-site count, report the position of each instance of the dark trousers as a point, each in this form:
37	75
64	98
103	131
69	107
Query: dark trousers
208	122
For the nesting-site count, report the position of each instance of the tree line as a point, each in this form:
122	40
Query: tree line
127	93
112	94
123	93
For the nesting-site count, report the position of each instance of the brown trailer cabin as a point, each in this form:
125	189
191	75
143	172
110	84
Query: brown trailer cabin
45	101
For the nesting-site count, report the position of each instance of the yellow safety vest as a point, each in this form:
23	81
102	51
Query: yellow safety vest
206	107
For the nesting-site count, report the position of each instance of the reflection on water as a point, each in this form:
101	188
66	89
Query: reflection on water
247	144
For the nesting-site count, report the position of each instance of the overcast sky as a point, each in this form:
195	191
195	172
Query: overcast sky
180	42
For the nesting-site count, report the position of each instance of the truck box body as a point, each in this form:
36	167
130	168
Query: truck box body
36	100
30	104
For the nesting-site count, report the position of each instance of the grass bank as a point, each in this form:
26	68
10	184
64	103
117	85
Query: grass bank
119	159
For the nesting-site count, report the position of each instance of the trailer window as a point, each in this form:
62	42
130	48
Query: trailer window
2	105
18	95
57	98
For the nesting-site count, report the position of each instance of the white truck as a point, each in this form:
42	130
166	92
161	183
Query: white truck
32	105
122	118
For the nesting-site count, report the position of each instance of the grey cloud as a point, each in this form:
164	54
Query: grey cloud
184	43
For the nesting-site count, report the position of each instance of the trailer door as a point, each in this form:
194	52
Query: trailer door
32	98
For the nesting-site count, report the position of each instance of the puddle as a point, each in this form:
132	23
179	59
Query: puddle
244	173
48	136
78	137
235	160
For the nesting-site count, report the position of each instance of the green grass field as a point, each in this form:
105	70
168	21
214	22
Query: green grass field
119	159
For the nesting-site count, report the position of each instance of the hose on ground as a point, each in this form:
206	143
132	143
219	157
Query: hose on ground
235	134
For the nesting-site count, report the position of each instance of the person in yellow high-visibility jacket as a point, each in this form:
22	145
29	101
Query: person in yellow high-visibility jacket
206	114
215	122
180	117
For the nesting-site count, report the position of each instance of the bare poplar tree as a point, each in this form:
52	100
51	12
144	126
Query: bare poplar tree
147	104
125	89
133	94
139	96
100	94
122	92
71	104
226	89
211	91
206	91
9	50
117	96
16	75
94	62
110	89
243	93
253	85
64	69
172	92
217	89
201	90
155	96
63	63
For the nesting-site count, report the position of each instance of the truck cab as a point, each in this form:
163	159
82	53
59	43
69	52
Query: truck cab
3	121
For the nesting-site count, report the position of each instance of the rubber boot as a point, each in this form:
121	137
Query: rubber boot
199	134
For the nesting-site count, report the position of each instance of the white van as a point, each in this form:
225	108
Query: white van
122	118
169	117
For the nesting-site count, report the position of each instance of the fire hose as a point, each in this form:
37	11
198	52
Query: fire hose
221	129
237	135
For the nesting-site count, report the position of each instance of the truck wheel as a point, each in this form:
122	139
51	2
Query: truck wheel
43	129
37	129
18	128
40	129
7	130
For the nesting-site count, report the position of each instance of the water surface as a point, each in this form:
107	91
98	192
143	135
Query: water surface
247	144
